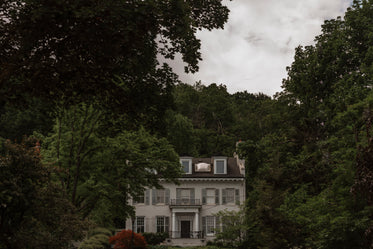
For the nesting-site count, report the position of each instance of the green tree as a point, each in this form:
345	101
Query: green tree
60	50
234	228
181	134
100	173
34	212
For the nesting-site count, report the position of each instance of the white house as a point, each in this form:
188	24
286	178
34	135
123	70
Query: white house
187	210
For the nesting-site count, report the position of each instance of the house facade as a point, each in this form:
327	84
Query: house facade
188	210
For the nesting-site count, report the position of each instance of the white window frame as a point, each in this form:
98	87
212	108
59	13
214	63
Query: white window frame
162	222
139	222
161	196
210	197
140	199
230	196
189	160
212	221
225	165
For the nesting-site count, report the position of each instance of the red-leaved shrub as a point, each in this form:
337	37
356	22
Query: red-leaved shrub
125	238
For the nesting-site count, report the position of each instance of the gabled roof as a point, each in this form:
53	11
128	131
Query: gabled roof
233	170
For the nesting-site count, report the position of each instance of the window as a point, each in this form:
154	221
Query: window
139	200
184	193
209	224
185	196
142	199
187	165
163	224
220	166
161	196
231	196
140	224
210	196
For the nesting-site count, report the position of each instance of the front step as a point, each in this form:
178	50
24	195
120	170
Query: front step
185	242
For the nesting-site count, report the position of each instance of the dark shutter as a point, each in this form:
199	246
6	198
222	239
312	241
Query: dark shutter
166	224
178	193
204	225
217	197
192	196
224	194
217	224
203	196
147	197
167	196
237	197
154	199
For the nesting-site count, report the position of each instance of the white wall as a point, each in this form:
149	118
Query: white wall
151	211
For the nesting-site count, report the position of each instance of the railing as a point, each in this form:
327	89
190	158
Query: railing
187	235
185	202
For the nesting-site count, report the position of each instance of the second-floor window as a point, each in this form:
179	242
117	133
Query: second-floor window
185	195
230	196
143	199
161	196
210	196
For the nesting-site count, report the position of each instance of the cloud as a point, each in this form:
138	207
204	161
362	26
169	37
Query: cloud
258	42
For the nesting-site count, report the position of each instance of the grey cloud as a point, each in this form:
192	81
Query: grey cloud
258	42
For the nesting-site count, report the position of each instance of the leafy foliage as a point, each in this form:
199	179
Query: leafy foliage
108	49
98	239
101	173
234	228
302	171
34	211
155	238
127	239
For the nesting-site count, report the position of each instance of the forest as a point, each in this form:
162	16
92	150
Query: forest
87	113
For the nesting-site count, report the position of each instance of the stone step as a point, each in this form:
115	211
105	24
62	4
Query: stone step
185	242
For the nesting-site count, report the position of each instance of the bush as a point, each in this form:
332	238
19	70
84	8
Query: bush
125	238
98	238
100	230
155	238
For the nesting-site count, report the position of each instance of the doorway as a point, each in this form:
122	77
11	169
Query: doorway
185	229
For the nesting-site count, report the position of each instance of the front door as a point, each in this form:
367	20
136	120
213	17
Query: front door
185	229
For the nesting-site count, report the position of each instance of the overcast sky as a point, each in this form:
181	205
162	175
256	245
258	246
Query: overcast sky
258	42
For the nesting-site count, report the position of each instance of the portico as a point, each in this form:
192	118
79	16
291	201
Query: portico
185	219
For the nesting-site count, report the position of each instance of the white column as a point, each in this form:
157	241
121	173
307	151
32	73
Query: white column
196	222
173	225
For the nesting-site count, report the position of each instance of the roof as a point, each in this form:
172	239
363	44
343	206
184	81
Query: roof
233	170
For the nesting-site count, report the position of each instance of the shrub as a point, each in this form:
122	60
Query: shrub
125	238
100	230
155	238
98	238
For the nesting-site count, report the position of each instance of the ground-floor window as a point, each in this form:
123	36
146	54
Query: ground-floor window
163	224
209	225
140	224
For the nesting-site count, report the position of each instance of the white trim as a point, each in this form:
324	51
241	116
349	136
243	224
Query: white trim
224	159
189	160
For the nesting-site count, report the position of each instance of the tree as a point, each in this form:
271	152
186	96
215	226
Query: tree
34	212
234	228
59	50
100	173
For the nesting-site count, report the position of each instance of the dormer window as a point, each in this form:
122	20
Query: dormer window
220	166
186	163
